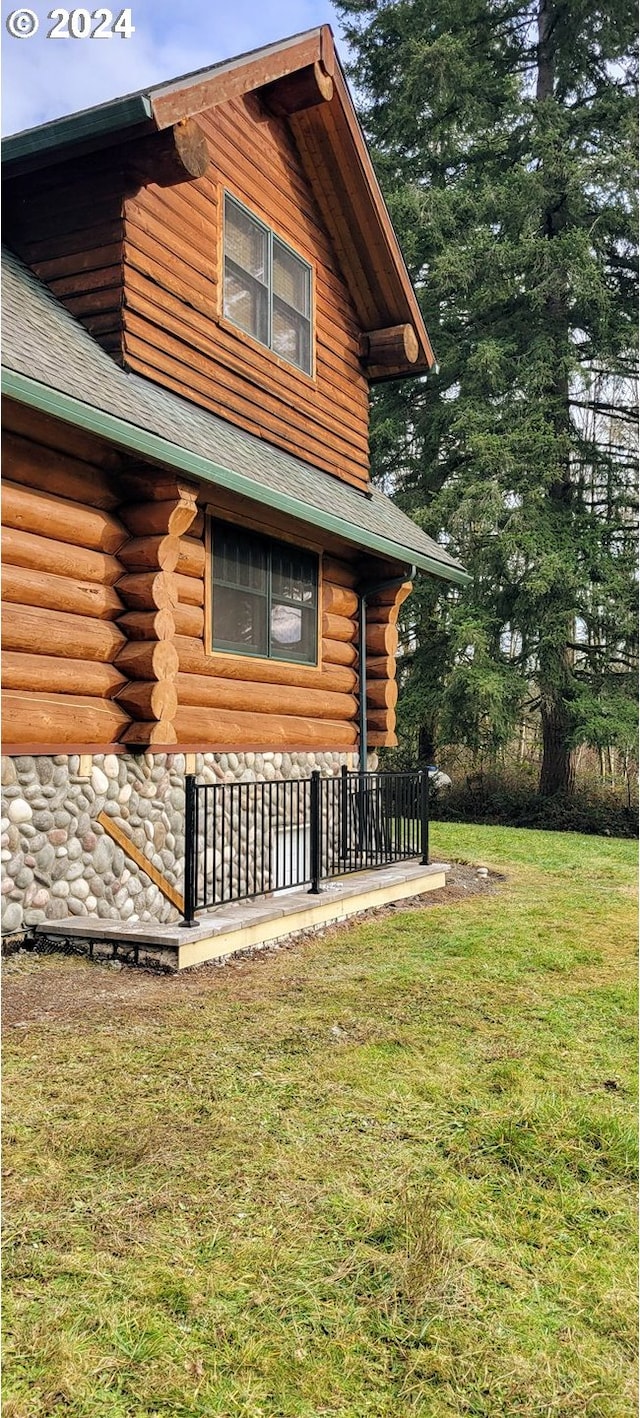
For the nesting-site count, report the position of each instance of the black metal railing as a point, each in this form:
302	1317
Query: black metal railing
250	839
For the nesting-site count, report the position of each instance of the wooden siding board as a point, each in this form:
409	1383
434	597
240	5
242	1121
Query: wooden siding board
95	259
175	223
243	362
34	249
140	253
239	408
63	213
168	247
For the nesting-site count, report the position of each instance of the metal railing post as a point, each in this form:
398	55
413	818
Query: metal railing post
315	834
424	816
344	813
190	848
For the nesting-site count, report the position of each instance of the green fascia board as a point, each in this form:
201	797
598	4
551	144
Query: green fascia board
151	445
91	124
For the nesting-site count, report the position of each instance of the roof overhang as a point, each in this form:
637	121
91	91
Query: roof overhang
333	151
138	440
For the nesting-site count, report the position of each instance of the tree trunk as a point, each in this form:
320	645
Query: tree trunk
426	743
546	57
555	669
557	774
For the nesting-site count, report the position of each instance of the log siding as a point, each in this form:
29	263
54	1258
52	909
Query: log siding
60	635
174	329
106	636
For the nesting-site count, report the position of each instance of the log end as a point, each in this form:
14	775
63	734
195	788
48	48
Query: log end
296	92
395	346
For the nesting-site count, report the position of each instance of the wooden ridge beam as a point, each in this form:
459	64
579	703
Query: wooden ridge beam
241	77
293	93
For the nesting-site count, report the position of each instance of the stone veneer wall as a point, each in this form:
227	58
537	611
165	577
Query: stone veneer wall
57	860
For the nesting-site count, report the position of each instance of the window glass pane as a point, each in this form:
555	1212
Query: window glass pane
246	242
294	575
286	624
293	632
246	303
239	558
239	621
291	336
267	288
291	278
265	596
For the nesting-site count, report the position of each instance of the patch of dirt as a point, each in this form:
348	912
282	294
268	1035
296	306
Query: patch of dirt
37	988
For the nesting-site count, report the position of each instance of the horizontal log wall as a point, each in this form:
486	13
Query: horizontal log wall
60	720
234	730
105	630
382	644
150	589
172	298
66	224
60	634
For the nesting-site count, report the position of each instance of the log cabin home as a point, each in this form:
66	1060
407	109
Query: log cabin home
201	283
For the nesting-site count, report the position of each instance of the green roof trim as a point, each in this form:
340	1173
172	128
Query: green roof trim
51	363
150	445
89	126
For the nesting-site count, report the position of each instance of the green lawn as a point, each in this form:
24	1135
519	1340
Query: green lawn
388	1172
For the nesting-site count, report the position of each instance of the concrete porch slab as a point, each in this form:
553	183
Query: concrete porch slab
242	925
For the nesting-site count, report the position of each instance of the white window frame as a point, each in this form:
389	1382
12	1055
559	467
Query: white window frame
271	237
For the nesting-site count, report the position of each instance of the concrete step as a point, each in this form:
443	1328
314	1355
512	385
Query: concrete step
241	925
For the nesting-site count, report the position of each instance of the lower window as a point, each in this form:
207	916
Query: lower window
265	596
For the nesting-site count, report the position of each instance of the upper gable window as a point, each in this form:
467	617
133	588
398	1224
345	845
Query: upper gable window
267	287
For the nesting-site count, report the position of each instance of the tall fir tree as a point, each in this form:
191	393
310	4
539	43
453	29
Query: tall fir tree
504	136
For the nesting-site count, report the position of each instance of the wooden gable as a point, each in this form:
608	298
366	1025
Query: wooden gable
129	238
173	324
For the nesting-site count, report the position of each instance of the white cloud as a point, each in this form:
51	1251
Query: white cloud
46	82
44	79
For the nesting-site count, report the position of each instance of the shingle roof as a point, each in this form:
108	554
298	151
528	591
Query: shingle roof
52	363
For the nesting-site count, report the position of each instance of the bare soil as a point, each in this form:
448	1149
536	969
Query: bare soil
38	988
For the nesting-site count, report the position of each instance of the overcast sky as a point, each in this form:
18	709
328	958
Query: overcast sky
44	78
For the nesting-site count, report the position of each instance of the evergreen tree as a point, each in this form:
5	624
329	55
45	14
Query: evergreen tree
503	133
